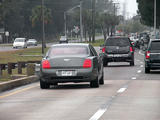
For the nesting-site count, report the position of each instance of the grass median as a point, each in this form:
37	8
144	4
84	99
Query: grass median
34	54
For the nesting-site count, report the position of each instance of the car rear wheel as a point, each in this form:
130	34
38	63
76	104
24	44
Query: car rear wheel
55	84
105	63
132	63
147	70
44	85
95	83
101	81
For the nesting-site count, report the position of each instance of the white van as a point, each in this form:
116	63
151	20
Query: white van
20	43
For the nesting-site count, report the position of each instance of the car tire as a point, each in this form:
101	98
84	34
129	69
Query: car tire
55	84
101	81
132	63
94	83
44	85
147	70
105	63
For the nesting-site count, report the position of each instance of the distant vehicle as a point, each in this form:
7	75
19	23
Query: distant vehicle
71	63
152	55
63	39
20	43
118	49
32	42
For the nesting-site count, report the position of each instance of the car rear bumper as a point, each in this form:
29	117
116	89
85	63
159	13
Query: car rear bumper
118	57
83	75
152	65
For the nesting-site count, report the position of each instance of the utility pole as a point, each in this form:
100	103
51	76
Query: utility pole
93	20
115	13
81	25
65	24
155	17
43	32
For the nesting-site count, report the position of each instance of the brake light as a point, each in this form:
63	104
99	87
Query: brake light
132	43
87	63
104	49
46	64
131	49
147	54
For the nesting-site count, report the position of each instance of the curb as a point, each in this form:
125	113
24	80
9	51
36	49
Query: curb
17	82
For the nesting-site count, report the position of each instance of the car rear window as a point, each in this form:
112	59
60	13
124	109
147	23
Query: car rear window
155	45
117	42
68	50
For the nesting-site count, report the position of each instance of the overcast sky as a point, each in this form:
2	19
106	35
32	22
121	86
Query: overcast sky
131	7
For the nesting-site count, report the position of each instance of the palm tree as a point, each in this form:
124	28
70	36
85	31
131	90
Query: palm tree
36	17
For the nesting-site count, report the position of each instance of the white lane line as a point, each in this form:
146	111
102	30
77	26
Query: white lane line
140	52
139	71
98	114
121	90
134	78
141	66
141	62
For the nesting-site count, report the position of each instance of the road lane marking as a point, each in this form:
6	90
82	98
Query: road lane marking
140	52
98	114
139	71
121	90
109	102
141	66
16	92
134	78
103	108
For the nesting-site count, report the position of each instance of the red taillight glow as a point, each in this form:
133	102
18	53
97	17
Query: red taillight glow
132	43
103	50
46	64
87	63
131	49
147	54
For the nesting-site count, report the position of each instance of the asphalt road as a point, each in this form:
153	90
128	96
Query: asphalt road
128	94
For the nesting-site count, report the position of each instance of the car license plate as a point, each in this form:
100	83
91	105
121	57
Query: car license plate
117	55
67	73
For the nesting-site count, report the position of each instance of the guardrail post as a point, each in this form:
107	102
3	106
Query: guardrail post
30	69
19	67
10	68
0	72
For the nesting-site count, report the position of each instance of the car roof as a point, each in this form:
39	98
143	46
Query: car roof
118	37
71	44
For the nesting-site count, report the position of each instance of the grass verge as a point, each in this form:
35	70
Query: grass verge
97	42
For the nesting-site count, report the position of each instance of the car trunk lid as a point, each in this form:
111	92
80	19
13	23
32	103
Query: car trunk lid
67	62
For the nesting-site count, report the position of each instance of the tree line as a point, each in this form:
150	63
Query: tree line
146	11
23	18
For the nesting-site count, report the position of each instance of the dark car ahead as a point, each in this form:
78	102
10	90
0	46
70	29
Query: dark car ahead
71	63
118	49
152	56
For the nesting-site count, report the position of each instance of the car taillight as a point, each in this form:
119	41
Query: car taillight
104	49
147	54
87	63
131	49
132	43
46	64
